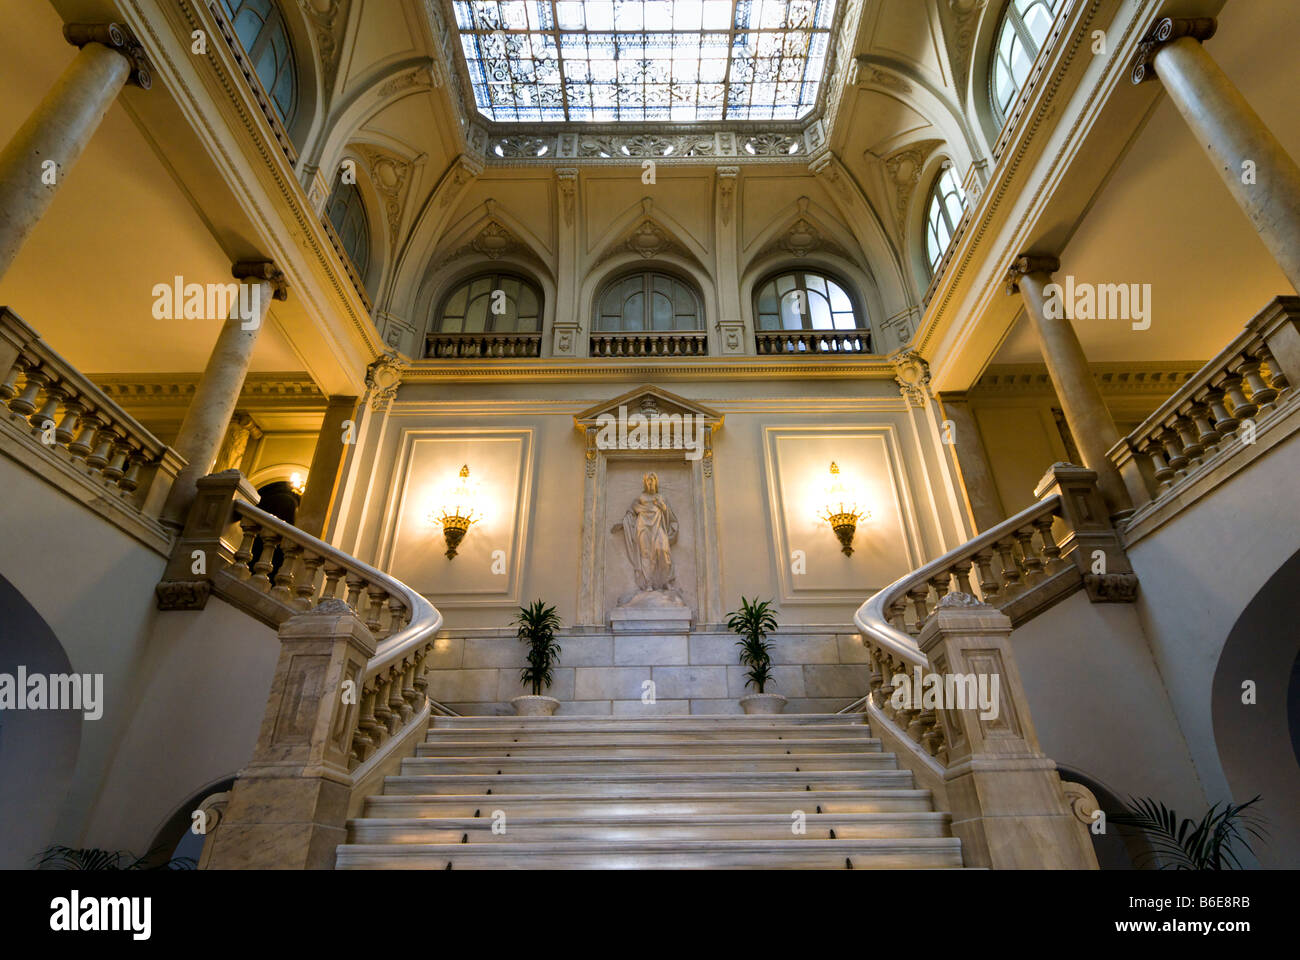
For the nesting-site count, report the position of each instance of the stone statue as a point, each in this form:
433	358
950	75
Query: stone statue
649	530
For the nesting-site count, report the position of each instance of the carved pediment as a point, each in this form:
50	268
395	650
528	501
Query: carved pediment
649	402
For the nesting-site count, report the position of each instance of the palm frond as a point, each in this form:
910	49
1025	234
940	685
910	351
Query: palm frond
1184	844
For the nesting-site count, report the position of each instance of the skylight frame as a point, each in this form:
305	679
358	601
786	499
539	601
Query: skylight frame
819	33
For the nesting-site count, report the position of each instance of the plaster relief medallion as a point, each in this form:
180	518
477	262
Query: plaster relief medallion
649	529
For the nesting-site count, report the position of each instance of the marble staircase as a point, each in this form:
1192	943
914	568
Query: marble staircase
797	791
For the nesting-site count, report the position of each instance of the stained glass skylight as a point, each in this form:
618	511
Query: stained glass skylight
645	60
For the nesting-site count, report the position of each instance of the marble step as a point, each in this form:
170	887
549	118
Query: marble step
686	723
644	745
733	826
663	782
678	764
641	804
607	735
793	854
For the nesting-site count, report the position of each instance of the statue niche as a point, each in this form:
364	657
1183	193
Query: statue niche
649	529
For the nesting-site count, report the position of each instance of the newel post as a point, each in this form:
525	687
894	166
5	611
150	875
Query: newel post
1007	803
1091	541
200	550
288	809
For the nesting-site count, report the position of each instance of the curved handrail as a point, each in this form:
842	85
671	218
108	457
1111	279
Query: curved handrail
872	617
424	619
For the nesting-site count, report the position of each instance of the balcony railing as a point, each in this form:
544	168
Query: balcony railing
649	344
451	345
1220	410
802	342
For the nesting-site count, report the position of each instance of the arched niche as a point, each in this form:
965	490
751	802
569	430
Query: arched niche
38	748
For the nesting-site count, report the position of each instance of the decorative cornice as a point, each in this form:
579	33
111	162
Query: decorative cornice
260	390
1166	31
117	38
1147	379
593	369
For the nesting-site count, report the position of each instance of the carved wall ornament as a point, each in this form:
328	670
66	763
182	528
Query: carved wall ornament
389	175
566	178
904	168
518	146
868	73
420	78
383	377
966	16
647	239
727	177
462	172
329	19
912	374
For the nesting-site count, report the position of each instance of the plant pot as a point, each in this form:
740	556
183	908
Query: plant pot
768	703
533	705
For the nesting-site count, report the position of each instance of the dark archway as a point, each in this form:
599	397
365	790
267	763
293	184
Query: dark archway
1116	849
1259	741
38	748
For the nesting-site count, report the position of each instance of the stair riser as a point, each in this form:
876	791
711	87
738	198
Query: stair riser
597	750
647	784
816	828
887	801
684	724
481	859
640	735
619	766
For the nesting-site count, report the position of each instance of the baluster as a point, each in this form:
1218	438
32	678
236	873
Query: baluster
396	607
131	479
885	695
9	386
989	586
1261	394
919	596
931	731
244	555
262	569
283	589
1186	430
1277	379
354	583
25	403
898	614
44	418
306	584
961	572
67	428
115	470
1206	435
940	583
409	693
1224	422
1010	569
366	737
105	439
375	609
874	678
1030	562
1164	474
332	574
421	671
383	712
1241	408
1176	458
1051	550
396	702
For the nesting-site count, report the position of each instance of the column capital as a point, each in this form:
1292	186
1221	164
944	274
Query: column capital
1026	264
263	270
117	38
1166	31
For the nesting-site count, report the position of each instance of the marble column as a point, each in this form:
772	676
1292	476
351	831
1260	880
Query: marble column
61	125
209	414
326	465
1261	176
1085	411
972	459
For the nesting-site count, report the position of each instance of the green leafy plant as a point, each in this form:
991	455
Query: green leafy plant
59	857
537	625
753	622
1187	845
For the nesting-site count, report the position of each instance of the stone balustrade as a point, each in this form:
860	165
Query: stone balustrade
61	412
649	344
804	342
442	346
1219	410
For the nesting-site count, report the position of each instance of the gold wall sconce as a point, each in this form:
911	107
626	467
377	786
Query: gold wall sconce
842	509
456	507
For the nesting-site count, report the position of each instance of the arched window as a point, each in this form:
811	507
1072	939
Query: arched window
648	302
942	213
1025	26
804	300
260	27
491	303
347	214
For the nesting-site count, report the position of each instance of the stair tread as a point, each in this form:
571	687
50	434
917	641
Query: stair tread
774	795
661	820
800	844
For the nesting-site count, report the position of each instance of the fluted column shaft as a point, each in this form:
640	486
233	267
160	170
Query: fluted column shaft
60	127
1261	176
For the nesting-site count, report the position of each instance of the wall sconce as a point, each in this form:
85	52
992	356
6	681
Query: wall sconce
456	507
842	510
297	483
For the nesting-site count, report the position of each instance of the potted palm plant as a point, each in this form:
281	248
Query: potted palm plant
753	622
537	625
